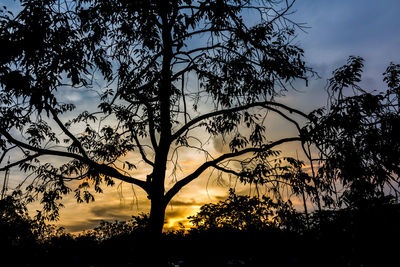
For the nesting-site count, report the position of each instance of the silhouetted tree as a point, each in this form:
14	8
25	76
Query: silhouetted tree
16	227
139	57
107	230
359	138
243	213
19	232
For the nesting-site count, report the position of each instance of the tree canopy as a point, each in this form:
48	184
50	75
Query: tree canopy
358	137
243	213
160	71
163	78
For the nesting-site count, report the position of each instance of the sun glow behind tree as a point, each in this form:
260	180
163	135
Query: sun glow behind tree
111	92
146	53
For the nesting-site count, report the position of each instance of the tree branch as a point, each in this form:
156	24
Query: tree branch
68	133
180	184
220	168
28	158
264	104
101	168
141	150
5	152
150	115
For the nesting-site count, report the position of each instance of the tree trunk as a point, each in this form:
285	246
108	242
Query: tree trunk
157	216
156	256
157	211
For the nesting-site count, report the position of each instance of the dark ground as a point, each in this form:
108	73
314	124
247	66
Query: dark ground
364	237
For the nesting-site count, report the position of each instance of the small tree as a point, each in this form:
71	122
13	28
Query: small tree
19	232
17	229
138	56
359	138
243	213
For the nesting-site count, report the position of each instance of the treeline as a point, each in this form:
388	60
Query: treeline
240	230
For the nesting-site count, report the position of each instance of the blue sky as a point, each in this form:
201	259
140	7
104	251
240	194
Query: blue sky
340	28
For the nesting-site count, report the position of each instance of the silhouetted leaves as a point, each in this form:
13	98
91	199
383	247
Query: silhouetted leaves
240	231
128	60
347	76
359	136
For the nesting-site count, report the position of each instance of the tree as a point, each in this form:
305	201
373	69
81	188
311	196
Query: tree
358	137
243	213
138	56
16	228
19	232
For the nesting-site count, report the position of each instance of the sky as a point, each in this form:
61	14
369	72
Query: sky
335	30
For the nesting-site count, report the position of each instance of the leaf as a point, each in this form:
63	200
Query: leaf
131	166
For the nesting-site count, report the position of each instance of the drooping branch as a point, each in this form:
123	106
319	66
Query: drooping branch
5	153
150	115
101	168
265	104
225	170
141	150
286	117
68	133
28	158
212	163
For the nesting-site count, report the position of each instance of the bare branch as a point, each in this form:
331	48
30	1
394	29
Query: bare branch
141	150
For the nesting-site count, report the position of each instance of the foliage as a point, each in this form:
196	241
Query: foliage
131	61
16	228
109	230
21	233
243	213
359	136
360	237
19	228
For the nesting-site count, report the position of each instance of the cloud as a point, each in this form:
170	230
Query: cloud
79	226
176	213
218	144
341	28
112	212
73	97
190	203
176	216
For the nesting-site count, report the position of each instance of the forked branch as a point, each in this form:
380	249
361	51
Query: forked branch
212	163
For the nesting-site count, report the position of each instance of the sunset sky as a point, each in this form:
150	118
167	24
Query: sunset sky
336	30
